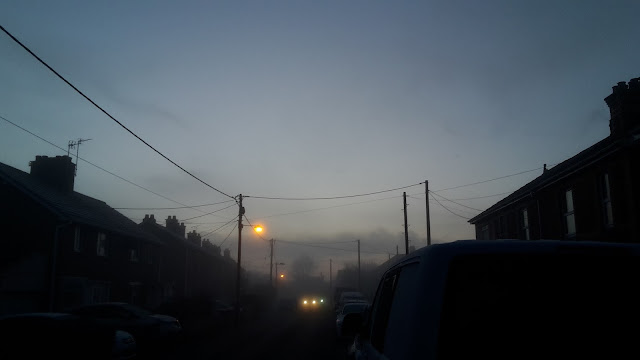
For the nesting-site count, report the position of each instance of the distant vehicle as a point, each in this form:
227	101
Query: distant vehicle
349	296
312	303
145	327
349	317
62	336
506	299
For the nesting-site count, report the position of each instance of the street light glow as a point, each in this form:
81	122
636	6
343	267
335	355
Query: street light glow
281	275
258	229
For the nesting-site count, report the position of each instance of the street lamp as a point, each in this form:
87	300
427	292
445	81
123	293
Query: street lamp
281	275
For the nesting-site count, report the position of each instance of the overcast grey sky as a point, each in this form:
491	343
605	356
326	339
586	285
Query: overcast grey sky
314	99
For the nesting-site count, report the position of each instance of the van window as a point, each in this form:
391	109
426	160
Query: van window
402	309
381	311
541	305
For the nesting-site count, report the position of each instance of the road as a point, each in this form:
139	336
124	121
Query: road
275	335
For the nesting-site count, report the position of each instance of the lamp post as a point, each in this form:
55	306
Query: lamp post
257	229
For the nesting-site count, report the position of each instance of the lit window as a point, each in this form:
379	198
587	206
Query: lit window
569	216
101	245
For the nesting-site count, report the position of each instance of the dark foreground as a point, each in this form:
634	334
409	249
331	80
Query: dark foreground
274	335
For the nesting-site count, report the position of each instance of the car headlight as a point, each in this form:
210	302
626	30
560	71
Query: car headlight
304	302
313	302
321	300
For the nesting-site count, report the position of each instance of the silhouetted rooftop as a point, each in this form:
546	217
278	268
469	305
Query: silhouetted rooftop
72	206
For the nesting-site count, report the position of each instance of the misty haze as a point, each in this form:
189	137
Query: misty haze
319	180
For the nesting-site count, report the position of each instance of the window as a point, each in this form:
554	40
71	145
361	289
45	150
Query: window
607	210
77	246
133	255
399	330
101	244
484	232
569	216
525	224
381	312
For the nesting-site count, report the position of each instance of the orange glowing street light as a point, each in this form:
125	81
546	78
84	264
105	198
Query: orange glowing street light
281	276
258	228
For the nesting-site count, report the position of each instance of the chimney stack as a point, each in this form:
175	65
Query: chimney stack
174	226
57	172
624	107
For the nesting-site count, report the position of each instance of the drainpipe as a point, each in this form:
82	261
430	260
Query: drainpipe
54	260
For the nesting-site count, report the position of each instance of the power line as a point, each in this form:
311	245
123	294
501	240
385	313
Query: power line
209	213
329	248
417	195
331	242
109	115
230	232
486	181
328	207
218	228
174	208
449	210
97	166
331	197
457	203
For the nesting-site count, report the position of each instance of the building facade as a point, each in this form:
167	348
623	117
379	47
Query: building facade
593	196
62	249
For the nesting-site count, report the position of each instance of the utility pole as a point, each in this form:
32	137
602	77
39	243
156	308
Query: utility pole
358	264
406	226
426	193
239	269
330	275
397	250
271	265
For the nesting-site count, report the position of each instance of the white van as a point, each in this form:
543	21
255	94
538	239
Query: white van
507	299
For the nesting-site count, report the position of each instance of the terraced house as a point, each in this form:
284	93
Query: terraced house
595	195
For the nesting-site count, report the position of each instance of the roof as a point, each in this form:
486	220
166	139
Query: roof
73	206
445	251
154	226
584	158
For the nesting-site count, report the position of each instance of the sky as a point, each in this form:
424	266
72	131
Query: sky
300	99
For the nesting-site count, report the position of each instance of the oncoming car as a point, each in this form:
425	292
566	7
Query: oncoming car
312	303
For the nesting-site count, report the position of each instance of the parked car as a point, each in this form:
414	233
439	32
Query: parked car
349	318
349	296
148	329
62	336
507	299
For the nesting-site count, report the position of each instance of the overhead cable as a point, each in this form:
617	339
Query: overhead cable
230	232
209	213
174	208
486	181
331	197
218	228
457	203
99	167
329	207
329	248
109	115
449	210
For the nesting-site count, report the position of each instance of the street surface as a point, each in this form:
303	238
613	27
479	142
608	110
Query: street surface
284	334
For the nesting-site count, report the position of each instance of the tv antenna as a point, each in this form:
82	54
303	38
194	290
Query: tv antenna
75	144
